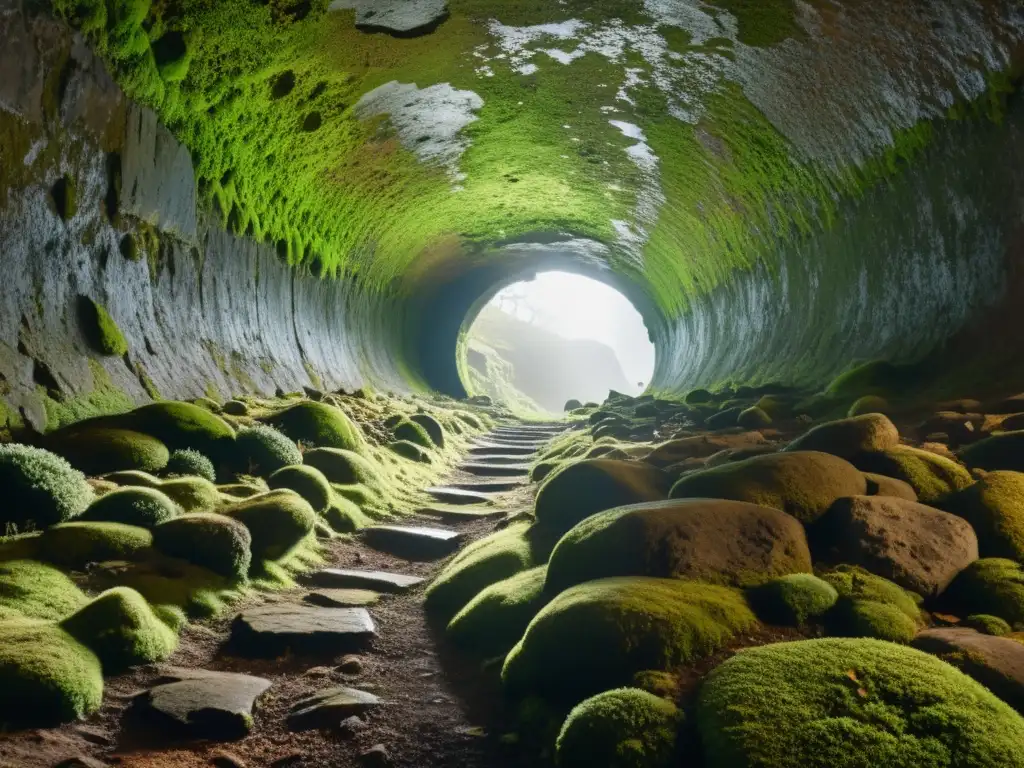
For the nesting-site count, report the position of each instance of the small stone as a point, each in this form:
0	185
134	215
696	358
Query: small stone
351	665
329	707
375	757
226	760
318	672
350	726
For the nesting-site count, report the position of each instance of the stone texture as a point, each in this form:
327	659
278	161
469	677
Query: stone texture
200	704
995	662
448	495
342	598
380	581
918	547
401	18
412	542
326	709
271	629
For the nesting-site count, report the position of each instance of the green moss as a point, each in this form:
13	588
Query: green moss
178	425
580	489
102	399
792	599
493	621
75	545
262	450
411	432
345	467
122	630
208	540
987	624
630	624
869	404
753	418
847	703
175	587
192	494
278	522
850	437
345	516
932	477
48	678
99	450
991	585
431	426
764	22
870	606
994	506
144	507
188	462
319	425
623	728
36	591
101	329
39	487
411	451
802	483
308	482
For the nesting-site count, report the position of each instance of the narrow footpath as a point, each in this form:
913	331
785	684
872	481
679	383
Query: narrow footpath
346	670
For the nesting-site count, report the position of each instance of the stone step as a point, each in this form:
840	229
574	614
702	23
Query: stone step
499	459
452	495
270	630
378	581
488	487
341	598
461	513
488	469
516	439
485	449
523	432
412	542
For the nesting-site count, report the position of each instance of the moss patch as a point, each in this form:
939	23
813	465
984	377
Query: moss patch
318	425
39	487
144	507
99	450
932	477
792	599
36	591
493	621
277	521
101	330
75	545
991	585
212	541
189	462
262	450
308	482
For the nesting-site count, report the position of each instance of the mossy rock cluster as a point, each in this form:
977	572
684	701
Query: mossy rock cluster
143	507
99	450
177	425
870	606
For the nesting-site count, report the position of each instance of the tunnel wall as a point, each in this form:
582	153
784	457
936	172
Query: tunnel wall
204	312
926	264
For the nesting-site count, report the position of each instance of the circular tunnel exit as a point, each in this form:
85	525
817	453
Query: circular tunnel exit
542	342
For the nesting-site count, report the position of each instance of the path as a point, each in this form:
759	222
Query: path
437	707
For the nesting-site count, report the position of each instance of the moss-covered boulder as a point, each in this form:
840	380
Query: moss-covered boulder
847	438
622	728
216	542
411	451
431	426
484	562
278	521
753	418
345	516
792	599
701	446
262	450
144	507
987	624
991	585
580	489
189	462
598	635
916	546
932	477
39	487
840	703
712	540
803	483
882	485
871	606
318	425
345	467
76	544
994	506
308	482
47	676
37	591
98	450
1002	451
178	425
192	494
493	621
869	404
411	432
122	630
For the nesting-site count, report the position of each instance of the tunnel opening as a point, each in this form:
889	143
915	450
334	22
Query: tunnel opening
556	341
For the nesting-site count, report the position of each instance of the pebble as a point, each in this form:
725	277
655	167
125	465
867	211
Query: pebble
351	665
376	757
350	726
226	760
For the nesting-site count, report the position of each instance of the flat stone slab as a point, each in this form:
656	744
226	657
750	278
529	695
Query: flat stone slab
498	458
453	495
494	449
380	581
200	704
464	512
342	598
401	18
268	630
488	487
495	470
412	542
328	708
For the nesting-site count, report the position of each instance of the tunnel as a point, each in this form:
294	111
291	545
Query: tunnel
257	206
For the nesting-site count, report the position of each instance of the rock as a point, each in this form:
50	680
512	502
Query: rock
227	760
724	419
991	585
995	662
572	405
994	506
932	477
158	184
710	540
271	629
918	547
701	446
200	704
328	708
753	418
375	757
342	598
802	483
351	665
378	581
960	428
484	469
580	489
412	542
882	485
847	438
350	726
1003	451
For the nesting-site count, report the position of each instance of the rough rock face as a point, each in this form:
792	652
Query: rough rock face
918	547
995	662
402	18
724	542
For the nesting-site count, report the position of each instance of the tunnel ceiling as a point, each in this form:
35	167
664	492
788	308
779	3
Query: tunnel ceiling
680	138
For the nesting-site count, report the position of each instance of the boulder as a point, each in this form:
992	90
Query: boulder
710	540
918	547
993	586
994	506
995	662
802	483
1002	451
701	446
932	477
882	485
847	438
